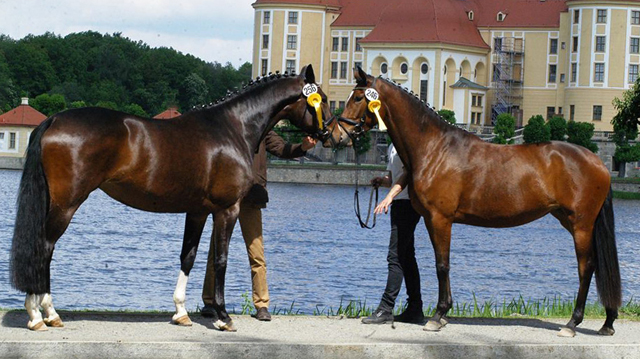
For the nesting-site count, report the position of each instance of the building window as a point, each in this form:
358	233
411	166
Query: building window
553	46
291	66
335	44
497	69
334	69
383	68
476	100
572	112
470	15
424	69
357	64
424	89
265	41
598	74
634	45
576	16
497	44
358	47
552	73
332	107
574	71
266	18
500	17
404	68
292	42
293	17
600	43
341	104
265	67
550	111
562	78
345	44
635	18
602	16
12	140
343	70
597	113
633	73
574	48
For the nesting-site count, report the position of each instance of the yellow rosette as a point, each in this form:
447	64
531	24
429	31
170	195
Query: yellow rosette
315	100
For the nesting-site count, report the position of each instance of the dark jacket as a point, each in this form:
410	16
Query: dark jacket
277	146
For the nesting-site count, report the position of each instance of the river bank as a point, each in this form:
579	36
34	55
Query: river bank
118	335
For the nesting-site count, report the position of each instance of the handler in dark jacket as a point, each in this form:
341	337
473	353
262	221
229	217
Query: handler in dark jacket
250	219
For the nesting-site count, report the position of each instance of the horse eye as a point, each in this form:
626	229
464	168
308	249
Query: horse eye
358	98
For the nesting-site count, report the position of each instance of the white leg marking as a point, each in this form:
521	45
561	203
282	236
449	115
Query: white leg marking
179	297
51	318
32	304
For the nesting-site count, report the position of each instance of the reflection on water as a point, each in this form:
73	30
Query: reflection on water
115	257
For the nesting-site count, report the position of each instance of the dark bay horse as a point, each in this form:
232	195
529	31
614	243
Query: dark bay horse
199	163
455	177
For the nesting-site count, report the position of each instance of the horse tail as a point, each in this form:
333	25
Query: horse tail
607	268
30	255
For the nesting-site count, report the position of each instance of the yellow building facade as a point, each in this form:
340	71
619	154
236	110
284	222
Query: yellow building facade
476	57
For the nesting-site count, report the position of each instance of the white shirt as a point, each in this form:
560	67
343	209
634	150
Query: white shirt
396	168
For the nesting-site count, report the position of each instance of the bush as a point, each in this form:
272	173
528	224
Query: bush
504	129
536	130
558	127
448	116
580	133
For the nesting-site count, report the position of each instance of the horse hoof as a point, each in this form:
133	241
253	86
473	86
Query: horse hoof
37	327
183	321
566	332
444	321
56	322
606	331
433	326
225	327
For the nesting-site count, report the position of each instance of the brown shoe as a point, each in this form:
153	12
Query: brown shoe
263	315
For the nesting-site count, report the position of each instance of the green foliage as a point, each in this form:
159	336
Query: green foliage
77	104
580	133
363	144
558	127
504	129
48	105
536	130
625	125
448	115
96	68
135	109
107	104
289	132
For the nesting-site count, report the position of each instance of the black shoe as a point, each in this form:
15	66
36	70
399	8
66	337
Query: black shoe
208	311
412	315
379	316
263	315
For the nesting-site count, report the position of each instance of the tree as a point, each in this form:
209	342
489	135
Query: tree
625	127
48	104
536	131
135	109
504	129
558	127
193	91
448	115
580	133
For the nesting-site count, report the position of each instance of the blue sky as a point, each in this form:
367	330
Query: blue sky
214	30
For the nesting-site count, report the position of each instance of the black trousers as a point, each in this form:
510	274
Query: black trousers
402	256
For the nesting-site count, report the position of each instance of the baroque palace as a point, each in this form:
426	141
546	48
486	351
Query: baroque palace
478	58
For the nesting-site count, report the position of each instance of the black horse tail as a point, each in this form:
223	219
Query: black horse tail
607	268
30	256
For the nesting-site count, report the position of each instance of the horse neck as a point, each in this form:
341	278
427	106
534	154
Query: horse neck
256	109
413	131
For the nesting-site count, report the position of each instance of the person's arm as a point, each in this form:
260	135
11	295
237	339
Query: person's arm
397	187
277	146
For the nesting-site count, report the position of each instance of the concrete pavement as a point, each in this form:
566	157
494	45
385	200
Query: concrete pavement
123	335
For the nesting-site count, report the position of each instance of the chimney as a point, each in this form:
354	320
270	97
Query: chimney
25	101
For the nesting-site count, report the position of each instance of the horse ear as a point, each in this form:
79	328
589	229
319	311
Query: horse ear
361	76
307	74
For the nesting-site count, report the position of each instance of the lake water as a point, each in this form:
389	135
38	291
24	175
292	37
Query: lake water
114	257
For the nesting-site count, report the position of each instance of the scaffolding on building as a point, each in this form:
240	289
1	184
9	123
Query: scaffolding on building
508	77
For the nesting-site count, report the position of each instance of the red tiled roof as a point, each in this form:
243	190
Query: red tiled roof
520	13
331	3
353	14
171	112
23	115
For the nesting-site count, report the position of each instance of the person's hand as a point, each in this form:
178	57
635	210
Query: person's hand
383	206
377	181
308	143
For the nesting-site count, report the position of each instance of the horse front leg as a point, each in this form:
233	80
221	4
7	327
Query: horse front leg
440	234
194	224
223	228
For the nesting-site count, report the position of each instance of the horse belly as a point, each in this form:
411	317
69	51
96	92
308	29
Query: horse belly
142	199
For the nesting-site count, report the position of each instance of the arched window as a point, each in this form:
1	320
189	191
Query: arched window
383	68
404	68
424	69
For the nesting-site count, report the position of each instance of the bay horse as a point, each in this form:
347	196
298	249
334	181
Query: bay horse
199	163
455	177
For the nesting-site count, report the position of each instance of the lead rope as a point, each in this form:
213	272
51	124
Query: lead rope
356	201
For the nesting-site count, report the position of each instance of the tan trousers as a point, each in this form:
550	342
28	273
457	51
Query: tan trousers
250	219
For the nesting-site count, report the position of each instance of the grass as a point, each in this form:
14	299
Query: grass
626	195
625	179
